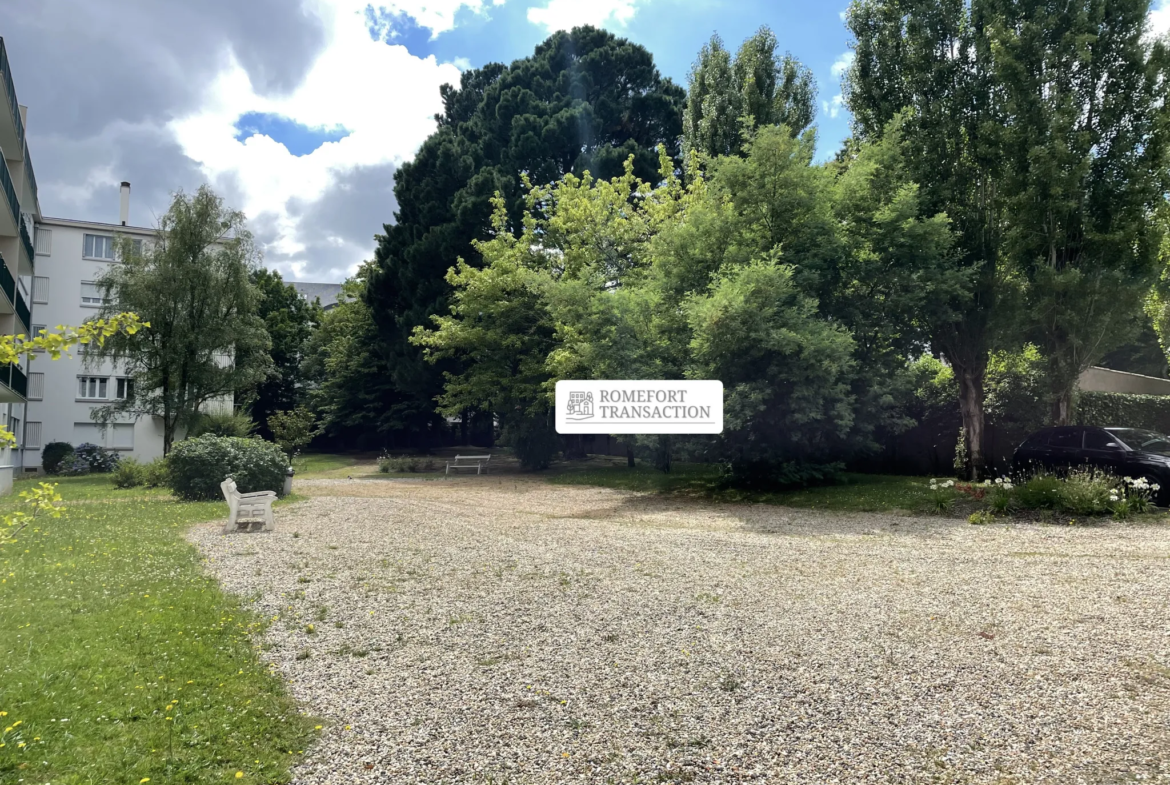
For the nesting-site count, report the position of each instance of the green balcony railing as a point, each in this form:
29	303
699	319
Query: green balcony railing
14	378
22	312
28	243
7	282
11	87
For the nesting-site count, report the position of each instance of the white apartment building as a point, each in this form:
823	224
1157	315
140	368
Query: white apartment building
19	211
62	394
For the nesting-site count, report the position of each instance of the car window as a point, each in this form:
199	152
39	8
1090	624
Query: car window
1101	440
1070	437
1143	440
1038	439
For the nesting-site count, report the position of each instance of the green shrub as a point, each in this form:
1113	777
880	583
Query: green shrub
154	474
197	466
1040	492
406	463
980	517
533	440
941	498
129	474
53	454
222	424
1086	493
72	466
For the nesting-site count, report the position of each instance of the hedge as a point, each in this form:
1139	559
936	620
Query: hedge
1123	410
197	466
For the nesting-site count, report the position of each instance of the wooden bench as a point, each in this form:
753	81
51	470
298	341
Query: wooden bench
477	462
249	506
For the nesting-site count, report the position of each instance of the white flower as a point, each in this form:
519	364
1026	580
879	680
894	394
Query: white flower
950	483
1155	487
1113	497
999	480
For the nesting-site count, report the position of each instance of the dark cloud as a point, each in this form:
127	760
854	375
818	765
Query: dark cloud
82	64
339	228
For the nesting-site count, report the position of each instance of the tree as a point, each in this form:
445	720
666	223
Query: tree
1085	149
348	371
584	100
289	320
728	98
293	429
192	283
929	62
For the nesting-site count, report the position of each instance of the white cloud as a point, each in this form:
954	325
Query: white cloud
1160	18
567	14
841	64
436	15
833	108
336	91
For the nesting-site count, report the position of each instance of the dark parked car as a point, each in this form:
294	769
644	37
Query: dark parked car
1125	452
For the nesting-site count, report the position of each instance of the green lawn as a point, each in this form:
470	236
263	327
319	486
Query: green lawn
327	464
122	661
857	492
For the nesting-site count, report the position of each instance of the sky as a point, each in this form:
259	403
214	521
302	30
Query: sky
299	115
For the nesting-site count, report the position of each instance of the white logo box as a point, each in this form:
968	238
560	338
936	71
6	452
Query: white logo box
641	406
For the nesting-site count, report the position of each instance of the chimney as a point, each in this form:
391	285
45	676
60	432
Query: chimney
125	211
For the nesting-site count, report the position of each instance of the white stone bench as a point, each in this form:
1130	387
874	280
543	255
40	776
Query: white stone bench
477	462
249	506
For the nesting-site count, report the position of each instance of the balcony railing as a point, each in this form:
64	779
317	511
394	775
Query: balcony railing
9	190
11	88
26	238
22	313
32	176
14	378
7	282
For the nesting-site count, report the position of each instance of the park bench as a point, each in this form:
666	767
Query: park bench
248	506
477	462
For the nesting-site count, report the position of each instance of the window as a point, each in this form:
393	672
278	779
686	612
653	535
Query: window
92	387
40	293
123	436
88	433
32	436
98	246
36	331
91	294
1065	437
125	388
36	386
43	241
14	424
1101	440
137	247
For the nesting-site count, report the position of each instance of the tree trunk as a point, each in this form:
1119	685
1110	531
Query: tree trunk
630	456
971	406
1062	407
463	428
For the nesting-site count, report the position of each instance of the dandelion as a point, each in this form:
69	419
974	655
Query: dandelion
239	775
144	779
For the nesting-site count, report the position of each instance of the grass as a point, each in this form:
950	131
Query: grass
327	463
122	661
856	492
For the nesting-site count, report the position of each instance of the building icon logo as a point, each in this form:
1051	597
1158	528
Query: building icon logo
579	406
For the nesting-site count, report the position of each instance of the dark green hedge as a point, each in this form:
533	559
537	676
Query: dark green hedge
197	466
1124	410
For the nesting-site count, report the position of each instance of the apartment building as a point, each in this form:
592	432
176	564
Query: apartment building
19	211
62	394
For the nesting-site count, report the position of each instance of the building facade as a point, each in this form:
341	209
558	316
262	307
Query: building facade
19	211
62	395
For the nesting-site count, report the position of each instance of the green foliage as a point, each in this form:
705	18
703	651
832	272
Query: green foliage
1124	410
129	474
406	463
97	459
533	440
53	454
289	320
222	424
728	98
191	282
584	100
1086	493
980	518
294	429
763	476
196	467
1039	492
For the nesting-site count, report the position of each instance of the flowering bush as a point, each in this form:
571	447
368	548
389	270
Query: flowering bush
97	458
197	466
942	495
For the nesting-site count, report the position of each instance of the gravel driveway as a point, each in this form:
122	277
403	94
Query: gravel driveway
499	630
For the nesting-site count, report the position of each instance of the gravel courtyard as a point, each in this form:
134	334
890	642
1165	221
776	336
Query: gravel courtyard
504	630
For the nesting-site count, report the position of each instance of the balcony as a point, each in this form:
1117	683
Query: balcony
13	385
10	221
8	286
11	126
26	233
23	315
